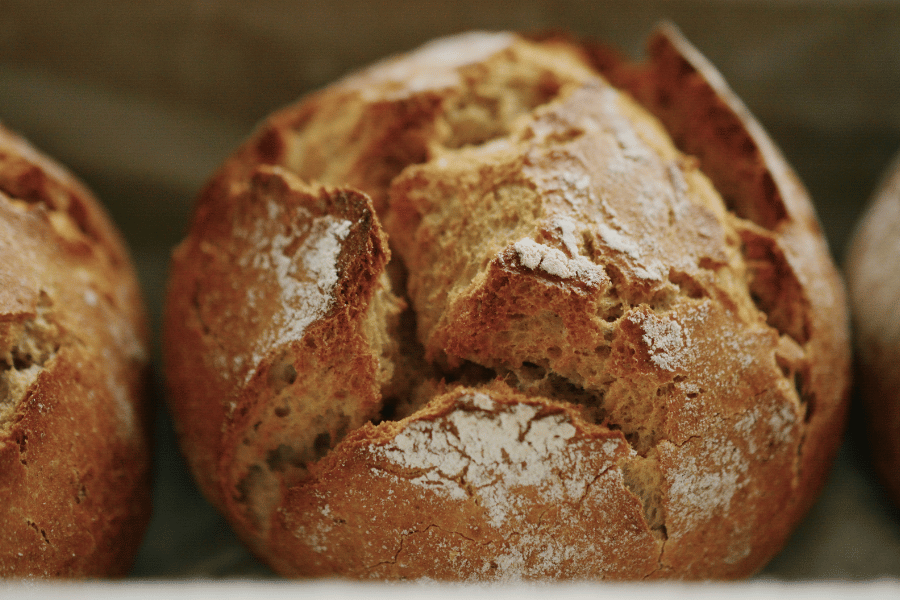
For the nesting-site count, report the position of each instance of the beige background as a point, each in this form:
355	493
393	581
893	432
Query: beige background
143	99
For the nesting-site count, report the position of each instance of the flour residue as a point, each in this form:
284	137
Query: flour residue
622	129
553	261
513	461
494	452
565	229
565	181
705	484
305	273
778	424
668	341
651	269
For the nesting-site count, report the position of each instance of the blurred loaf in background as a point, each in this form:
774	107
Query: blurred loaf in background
873	279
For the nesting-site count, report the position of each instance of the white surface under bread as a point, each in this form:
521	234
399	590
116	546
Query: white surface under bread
875	590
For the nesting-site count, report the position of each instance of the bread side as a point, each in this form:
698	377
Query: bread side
74	448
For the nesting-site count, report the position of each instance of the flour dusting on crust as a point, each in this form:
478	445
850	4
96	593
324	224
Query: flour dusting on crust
553	261
495	451
668	340
306	274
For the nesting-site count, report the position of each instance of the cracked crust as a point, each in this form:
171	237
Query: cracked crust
610	343
74	447
874	292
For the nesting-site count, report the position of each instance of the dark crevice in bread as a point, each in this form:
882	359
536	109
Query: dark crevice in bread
793	360
282	374
429	378
21	440
39	531
536	380
774	286
687	284
256	492
410	369
806	396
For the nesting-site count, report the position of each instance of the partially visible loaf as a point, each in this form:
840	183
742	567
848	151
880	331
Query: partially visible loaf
874	286
582	323
74	447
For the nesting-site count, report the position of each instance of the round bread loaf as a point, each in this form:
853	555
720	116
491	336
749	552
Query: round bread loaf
74	448
874	284
509	308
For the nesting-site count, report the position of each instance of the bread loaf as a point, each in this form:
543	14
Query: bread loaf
504	308
74	448
874	287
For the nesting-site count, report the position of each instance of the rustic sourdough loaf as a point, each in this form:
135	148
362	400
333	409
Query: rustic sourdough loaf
509	307
874	286
74	448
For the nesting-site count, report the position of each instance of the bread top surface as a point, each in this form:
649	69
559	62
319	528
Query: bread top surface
553	248
74	448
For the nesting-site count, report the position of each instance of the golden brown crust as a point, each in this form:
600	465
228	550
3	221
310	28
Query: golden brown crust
791	273
477	487
74	447
304	262
661	318
874	292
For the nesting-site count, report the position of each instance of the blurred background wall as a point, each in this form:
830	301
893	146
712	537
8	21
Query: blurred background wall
833	63
177	77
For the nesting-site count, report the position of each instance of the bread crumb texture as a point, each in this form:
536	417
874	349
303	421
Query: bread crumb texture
509	308
74	448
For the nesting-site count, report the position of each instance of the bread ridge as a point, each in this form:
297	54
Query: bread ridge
615	317
74	418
